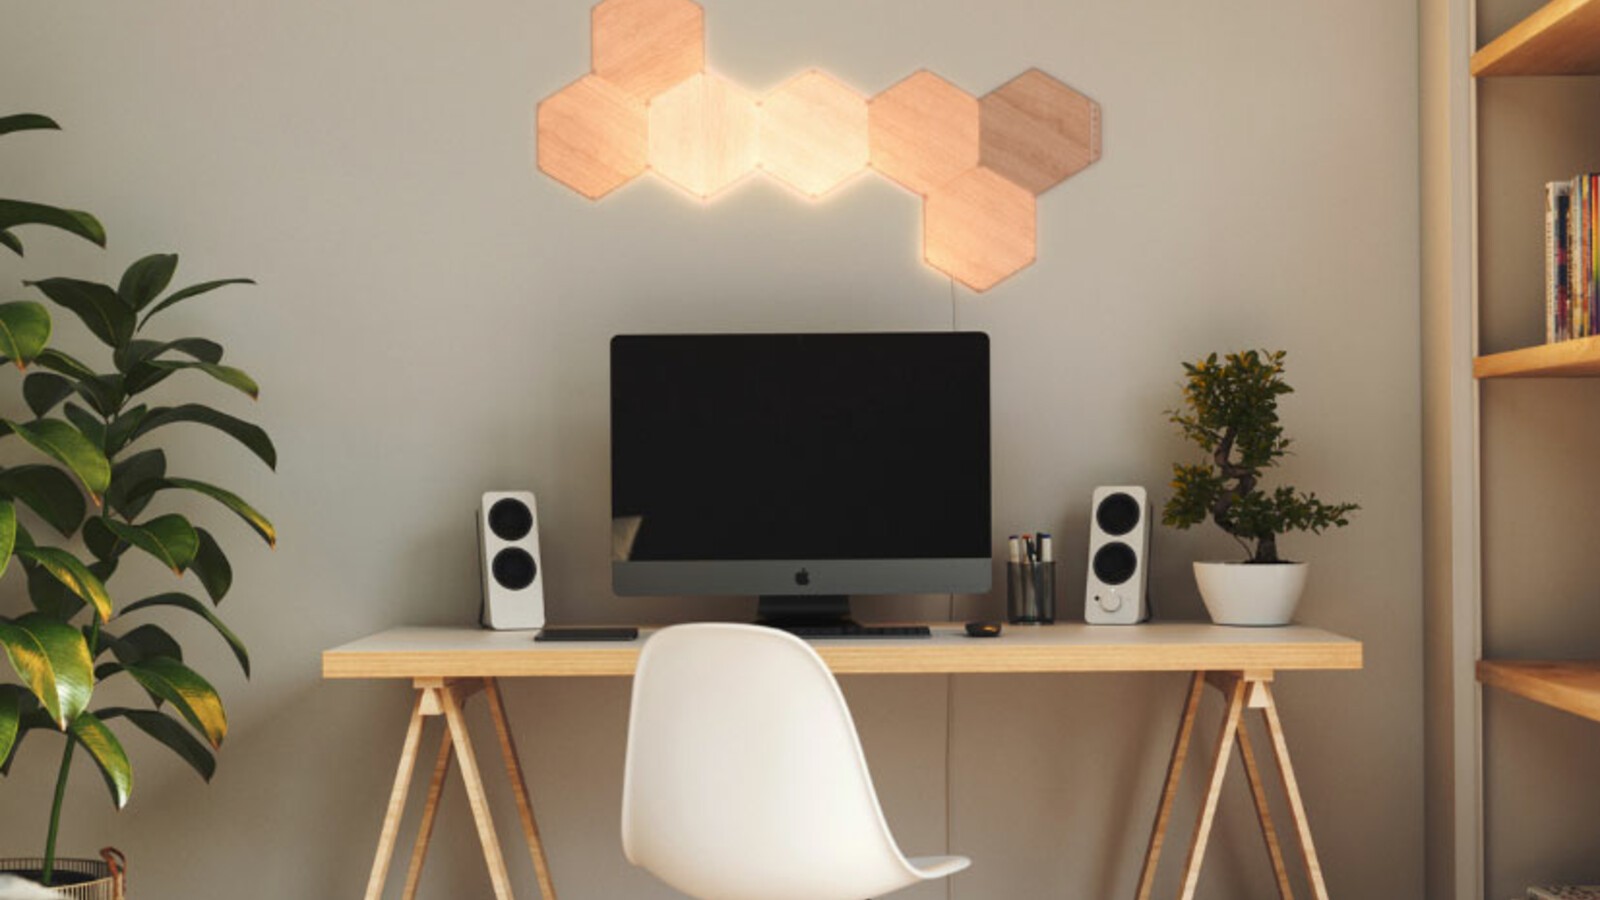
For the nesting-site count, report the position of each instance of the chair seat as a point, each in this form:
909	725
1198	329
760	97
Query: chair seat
931	867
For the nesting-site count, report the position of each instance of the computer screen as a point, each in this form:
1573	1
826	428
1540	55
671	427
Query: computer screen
800	464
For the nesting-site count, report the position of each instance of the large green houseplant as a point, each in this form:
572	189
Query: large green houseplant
1231	414
103	475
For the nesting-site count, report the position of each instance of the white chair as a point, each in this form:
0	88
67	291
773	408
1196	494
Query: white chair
745	779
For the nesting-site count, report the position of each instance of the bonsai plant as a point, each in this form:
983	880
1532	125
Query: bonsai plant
70	635
1231	413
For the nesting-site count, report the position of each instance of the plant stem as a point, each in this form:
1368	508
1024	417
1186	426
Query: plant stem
55	811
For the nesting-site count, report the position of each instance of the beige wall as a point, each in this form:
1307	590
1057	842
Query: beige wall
432	322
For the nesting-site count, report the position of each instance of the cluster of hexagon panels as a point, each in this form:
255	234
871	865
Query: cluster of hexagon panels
649	104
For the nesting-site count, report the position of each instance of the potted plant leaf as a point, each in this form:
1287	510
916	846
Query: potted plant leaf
1231	413
65	635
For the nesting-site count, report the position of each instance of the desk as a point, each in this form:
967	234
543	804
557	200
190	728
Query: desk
447	665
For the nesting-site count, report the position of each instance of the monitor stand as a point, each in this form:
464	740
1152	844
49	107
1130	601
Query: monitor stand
792	611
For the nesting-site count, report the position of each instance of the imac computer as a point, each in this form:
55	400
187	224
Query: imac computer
800	468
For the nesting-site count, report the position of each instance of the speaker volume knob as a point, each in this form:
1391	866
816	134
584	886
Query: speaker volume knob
1110	601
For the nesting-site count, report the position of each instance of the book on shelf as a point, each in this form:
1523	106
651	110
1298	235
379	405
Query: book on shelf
1572	258
1564	892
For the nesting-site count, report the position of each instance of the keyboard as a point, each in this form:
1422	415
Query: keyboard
857	631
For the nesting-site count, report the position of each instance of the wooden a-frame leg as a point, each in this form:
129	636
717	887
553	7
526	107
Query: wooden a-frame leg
477	798
519	785
430	813
1219	770
1291	788
1169	791
397	802
1269	833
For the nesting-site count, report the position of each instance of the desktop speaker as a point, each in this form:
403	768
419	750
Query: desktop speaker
1119	548
508	543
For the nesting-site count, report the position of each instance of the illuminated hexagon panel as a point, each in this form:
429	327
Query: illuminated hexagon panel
592	137
924	132
649	104
978	228
704	134
648	46
1038	132
813	133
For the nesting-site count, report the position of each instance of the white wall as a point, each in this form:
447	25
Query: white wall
432	322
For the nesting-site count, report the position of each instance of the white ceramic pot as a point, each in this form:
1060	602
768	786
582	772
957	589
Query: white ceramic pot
1246	594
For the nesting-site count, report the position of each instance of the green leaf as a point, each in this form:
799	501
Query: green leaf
24	331
211	566
57	361
191	291
228	375
170	539
252	436
53	660
192	695
67	569
8	533
10	718
184	601
108	754
232	501
44	391
26	122
133	480
68	446
146	279
73	221
171	733
140	350
106	316
10	241
144	643
121	430
101	540
87	423
48	595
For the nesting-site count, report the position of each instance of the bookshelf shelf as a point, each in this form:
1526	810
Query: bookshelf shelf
1561	38
1577	358
1570	686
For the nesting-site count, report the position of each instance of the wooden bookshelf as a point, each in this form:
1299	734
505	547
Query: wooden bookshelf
1577	358
1561	38
1572	686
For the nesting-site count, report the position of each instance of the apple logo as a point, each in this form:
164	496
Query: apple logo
802	578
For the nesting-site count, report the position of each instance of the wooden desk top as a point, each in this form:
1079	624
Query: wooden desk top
1162	647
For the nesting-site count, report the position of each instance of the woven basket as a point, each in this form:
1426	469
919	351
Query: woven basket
109	872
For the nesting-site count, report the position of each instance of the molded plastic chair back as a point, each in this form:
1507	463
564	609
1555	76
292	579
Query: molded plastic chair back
745	778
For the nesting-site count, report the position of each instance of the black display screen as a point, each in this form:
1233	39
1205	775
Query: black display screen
800	447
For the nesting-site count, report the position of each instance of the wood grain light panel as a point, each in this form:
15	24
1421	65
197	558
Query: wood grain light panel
923	132
647	46
592	136
704	134
1038	132
978	228
813	133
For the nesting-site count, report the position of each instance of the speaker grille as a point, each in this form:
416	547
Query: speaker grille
1118	514
514	568
1115	563
510	519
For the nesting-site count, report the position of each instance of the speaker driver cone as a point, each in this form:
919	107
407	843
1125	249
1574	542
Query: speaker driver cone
514	568
510	520
1118	514
1115	563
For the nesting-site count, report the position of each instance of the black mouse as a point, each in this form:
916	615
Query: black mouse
983	629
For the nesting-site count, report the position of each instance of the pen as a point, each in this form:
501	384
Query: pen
1046	551
1015	547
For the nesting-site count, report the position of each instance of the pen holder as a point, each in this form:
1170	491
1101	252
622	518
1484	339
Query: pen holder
1031	593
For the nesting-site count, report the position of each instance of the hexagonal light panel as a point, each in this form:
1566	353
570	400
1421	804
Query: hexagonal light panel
704	134
923	132
1038	132
649	103
813	133
978	228
648	46
593	137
